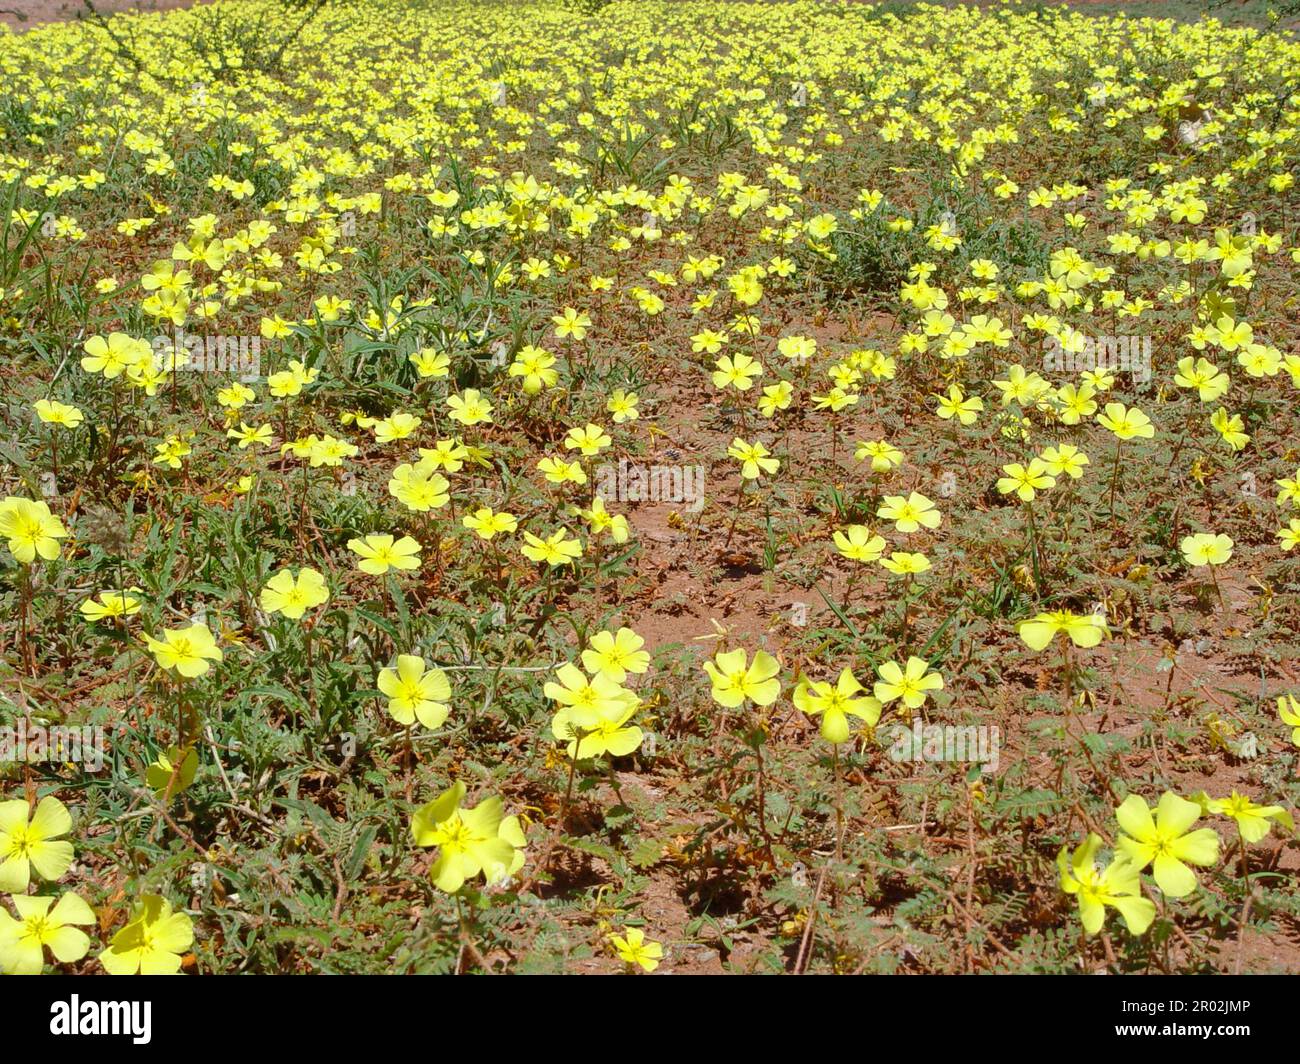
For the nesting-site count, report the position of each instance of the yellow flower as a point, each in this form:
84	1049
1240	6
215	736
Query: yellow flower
1021	387
55	413
1082	629
1290	492
379	553
1075	403
883	456
909	514
187	650
604	731
797	348
33	846
486	522
1126	424
734	681
903	563
558	471
1203	375
615	654
1118	886
292	596
1167	841
511	831
910	682
636	949
753	459
283	384
955	404
418	488
170	452
430	363
557	549
835	400
236	396
589	441
445	454
1206	548
469	408
1231	428
247	435
738	372
835	703
622	405
113	356
30	529
775	397
329	451
601	520
858	543
172	771
1024	481
534	365
572	323
587	699
1064	459
1288	710
1252	820
152	941
397	426
110	604
1231	335
23	941
469	841
414	693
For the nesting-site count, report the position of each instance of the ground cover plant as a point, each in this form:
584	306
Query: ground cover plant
630	487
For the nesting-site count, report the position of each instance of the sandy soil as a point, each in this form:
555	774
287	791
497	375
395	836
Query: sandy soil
20	15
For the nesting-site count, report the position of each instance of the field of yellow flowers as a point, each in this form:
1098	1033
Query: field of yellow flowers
679	486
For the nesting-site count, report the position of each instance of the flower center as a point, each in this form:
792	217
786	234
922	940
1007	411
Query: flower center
20	841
